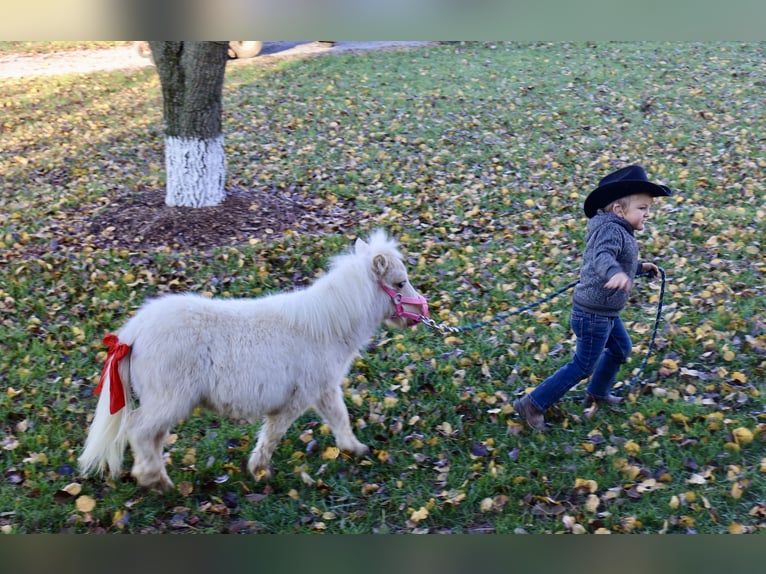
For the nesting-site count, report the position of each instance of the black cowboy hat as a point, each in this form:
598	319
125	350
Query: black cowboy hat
621	183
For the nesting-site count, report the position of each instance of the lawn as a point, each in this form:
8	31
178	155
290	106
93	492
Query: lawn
477	157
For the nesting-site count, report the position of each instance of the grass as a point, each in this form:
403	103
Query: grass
477	157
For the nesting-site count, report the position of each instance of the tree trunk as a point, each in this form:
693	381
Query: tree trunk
191	75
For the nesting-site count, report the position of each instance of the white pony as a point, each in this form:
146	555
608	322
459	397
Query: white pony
271	357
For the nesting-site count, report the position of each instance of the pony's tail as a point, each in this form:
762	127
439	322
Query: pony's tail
105	446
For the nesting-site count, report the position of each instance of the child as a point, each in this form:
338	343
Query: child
619	206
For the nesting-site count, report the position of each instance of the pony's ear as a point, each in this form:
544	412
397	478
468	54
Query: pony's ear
360	246
380	265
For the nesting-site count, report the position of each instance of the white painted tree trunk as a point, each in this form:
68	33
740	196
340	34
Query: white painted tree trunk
196	171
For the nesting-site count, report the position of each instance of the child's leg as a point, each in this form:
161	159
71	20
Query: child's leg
618	347
592	333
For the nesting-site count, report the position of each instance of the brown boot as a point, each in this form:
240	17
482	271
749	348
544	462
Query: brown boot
530	413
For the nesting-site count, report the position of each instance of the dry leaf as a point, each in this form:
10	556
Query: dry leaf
85	503
73	488
420	514
331	453
185	488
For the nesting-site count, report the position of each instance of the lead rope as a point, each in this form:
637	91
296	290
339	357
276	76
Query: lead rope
444	329
658	317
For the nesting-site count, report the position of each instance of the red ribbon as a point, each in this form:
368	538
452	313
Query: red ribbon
115	353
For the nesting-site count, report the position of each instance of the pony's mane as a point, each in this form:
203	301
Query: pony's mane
347	297
378	243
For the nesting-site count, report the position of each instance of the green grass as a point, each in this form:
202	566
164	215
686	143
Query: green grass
477	157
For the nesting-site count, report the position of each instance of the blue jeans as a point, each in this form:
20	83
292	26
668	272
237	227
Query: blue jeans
603	345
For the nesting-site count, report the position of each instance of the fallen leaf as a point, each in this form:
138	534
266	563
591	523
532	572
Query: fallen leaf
420	514
742	435
185	488
85	503
330	453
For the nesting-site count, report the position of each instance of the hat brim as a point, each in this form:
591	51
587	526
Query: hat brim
606	194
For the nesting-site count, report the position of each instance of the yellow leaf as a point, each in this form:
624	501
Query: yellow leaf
587	485
35	457
679	418
185	488
592	503
190	457
742	435
687	522
670	365
632	447
736	528
73	488
331	453
487	505
630	471
120	518
739	377
369	488
85	503
736	490
675	502
420	514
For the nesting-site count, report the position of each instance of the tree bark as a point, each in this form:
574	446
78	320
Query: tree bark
191	75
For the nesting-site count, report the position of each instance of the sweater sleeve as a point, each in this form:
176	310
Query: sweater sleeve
608	243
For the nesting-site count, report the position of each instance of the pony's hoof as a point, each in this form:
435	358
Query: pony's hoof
161	485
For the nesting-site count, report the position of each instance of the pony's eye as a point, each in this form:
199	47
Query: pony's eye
401	284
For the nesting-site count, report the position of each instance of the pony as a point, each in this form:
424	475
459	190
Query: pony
269	358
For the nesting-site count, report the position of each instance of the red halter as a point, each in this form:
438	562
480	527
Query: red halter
400	301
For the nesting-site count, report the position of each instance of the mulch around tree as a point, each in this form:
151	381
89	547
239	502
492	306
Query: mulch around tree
142	219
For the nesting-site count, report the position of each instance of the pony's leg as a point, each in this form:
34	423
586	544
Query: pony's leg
333	410
147	431
274	427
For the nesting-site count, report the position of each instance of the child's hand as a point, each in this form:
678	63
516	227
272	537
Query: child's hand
650	268
619	281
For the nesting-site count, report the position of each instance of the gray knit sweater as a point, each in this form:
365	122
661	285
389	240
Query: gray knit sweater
610	247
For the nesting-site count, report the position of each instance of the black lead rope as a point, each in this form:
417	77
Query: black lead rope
658	317
445	329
